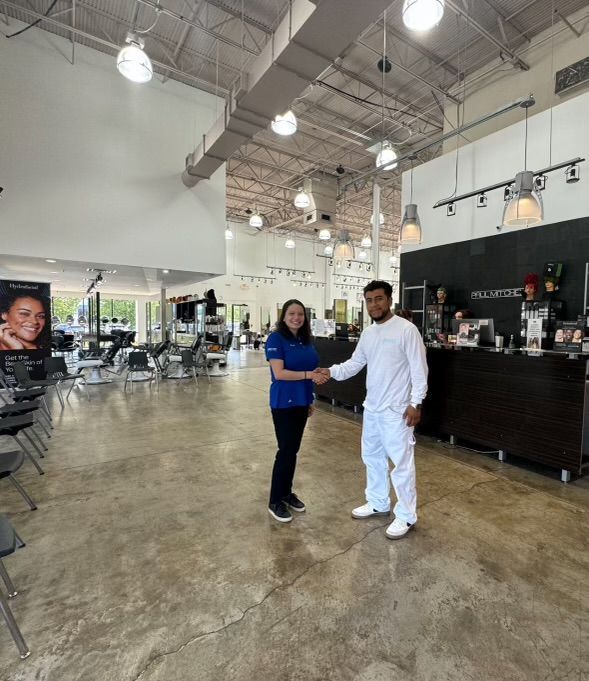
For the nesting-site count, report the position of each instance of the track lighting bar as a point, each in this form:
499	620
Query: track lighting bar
506	183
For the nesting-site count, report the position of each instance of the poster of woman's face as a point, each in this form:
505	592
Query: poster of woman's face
25	328
559	336
578	336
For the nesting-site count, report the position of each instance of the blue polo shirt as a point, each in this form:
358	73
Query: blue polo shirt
296	357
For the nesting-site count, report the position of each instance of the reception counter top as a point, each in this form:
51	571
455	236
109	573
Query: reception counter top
533	407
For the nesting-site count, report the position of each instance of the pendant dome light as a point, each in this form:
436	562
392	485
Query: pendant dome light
132	62
387	157
228	234
410	225
302	199
380	219
394	260
324	234
285	124
328	250
343	249
366	241
290	243
256	220
422	15
362	255
524	207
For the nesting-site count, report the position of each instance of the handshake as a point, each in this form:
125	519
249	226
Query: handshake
320	376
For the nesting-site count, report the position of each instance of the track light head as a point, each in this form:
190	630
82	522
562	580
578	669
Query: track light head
482	200
540	182
451	209
573	173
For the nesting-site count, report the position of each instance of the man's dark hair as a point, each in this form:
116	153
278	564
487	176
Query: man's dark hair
376	284
304	333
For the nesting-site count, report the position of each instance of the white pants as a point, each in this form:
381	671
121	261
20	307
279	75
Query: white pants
386	435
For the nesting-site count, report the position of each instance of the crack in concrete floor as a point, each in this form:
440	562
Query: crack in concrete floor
287	585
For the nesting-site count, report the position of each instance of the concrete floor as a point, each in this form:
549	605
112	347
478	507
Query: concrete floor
152	555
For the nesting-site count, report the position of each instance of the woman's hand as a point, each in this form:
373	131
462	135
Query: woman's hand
8	339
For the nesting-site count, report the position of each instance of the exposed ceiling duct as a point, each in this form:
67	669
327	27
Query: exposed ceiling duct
322	190
309	38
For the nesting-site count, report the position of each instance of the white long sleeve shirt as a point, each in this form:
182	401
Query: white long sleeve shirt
397	368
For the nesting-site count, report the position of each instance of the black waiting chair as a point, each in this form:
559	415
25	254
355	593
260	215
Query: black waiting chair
9	543
21	396
139	364
24	380
189	364
31	407
56	369
10	462
12	426
158	352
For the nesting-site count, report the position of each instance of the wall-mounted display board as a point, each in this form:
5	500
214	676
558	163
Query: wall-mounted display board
500	263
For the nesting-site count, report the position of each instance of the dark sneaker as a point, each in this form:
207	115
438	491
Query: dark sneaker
294	502
280	512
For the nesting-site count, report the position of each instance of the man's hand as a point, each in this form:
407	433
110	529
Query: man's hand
412	416
321	376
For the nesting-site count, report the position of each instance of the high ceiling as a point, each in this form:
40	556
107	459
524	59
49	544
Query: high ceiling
209	43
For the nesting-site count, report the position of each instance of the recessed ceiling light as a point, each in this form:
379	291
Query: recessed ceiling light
166	271
50	260
136	284
52	272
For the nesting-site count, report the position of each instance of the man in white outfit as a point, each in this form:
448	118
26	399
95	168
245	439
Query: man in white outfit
396	384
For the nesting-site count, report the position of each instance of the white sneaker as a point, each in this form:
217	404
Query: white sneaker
398	528
367	511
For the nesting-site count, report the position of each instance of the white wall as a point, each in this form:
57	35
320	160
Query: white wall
499	157
248	256
91	163
487	94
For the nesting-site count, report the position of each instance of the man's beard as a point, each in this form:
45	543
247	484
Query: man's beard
379	318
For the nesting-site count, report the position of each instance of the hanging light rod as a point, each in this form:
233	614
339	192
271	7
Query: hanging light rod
506	183
522	102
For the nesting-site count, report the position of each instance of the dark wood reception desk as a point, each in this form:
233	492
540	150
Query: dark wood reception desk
536	408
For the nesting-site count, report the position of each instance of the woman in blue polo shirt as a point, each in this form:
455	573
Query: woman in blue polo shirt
292	358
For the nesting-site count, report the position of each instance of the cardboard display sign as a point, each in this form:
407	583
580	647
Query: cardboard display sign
25	326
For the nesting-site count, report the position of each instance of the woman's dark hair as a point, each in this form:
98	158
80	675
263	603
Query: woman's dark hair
304	332
376	284
7	300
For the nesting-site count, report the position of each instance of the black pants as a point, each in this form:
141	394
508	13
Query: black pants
289	425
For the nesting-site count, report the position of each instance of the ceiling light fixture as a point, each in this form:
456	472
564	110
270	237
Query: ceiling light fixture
166	271
343	249
362	255
228	234
324	234
366	241
328	250
380	219
132	62
410	226
285	124
50	260
256	220
422	15
290	243
302	199
387	157
525	206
